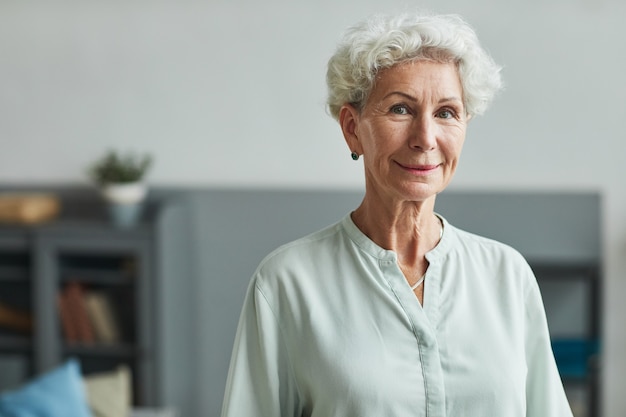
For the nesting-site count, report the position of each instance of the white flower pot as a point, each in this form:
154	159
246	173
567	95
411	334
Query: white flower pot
126	193
125	202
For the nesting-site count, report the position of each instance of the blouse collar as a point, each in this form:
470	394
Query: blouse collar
371	248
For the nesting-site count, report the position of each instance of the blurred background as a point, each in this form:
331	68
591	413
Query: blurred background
230	95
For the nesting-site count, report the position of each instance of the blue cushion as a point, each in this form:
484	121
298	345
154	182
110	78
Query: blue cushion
57	393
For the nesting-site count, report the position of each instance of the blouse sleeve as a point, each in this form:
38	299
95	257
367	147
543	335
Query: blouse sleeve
260	381
545	395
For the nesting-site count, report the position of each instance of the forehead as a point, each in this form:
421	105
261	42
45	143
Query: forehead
419	78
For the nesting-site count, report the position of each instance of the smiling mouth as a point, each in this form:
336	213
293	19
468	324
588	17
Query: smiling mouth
419	169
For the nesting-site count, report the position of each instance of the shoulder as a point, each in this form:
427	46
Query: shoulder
315	242
300	256
481	246
492	266
295	276
489	258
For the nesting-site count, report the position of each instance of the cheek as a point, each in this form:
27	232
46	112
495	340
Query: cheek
375	142
455	145
452	155
453	149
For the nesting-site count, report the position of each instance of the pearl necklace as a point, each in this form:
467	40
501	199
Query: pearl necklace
421	280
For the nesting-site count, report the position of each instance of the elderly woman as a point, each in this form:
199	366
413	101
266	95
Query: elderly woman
394	312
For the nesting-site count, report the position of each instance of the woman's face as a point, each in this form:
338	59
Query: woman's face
411	130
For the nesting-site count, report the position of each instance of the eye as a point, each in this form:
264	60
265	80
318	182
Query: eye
399	109
446	114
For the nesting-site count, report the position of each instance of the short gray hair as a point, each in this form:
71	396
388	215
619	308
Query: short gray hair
384	41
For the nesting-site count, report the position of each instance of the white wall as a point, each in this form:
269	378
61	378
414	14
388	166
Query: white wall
231	93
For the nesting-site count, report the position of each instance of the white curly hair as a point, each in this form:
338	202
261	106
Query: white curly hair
384	41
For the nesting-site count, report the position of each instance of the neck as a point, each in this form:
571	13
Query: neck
410	229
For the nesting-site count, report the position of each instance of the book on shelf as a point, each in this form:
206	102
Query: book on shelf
87	316
67	321
101	314
74	318
15	319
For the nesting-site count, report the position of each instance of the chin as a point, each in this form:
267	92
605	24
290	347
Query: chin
421	192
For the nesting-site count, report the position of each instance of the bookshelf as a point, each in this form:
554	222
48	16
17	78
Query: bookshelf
39	264
572	298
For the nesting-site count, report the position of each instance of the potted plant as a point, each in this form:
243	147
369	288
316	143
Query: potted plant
121	182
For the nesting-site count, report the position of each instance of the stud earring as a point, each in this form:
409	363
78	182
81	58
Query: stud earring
355	156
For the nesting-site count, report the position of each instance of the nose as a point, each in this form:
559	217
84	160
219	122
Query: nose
423	134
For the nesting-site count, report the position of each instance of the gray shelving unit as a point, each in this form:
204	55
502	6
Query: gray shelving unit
16	347
572	298
37	262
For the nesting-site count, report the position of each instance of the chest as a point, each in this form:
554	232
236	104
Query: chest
389	356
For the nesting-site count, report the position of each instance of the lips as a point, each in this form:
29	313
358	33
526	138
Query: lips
423	168
419	169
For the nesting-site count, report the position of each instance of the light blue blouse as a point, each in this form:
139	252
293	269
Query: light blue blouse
330	328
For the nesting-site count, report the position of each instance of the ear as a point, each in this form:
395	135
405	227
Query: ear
348	120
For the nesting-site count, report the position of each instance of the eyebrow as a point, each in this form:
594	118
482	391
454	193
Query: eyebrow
451	98
410	97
